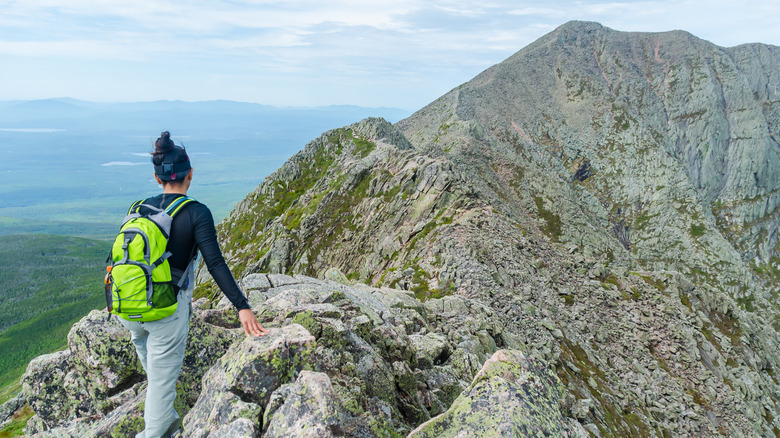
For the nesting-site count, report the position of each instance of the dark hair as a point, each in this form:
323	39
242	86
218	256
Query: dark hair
167	151
162	146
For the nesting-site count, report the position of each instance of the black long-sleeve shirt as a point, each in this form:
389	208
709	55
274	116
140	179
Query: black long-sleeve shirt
193	228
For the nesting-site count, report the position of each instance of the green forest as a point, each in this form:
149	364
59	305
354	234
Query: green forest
48	283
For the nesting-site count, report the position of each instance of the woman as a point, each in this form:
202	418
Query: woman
160	344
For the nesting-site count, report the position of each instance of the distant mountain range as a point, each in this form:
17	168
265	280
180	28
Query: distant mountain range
31	111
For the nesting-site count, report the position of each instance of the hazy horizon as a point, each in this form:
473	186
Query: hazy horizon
68	99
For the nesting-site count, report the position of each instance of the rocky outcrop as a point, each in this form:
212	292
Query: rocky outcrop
100	378
9	408
93	376
309	409
529	396
340	360
240	385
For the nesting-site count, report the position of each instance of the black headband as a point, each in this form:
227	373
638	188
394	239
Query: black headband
168	171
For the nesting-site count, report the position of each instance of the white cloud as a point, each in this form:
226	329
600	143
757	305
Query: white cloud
326	51
73	48
258	43
176	16
543	11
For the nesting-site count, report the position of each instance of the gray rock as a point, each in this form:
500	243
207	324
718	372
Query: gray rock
240	428
241	383
309	410
581	408
255	281
511	396
430	349
79	382
333	274
279	280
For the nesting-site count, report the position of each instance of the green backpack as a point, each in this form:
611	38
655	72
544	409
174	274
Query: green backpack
139	285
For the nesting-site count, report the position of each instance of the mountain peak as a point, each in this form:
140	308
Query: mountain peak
580	26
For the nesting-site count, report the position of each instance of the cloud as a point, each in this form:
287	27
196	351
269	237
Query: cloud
538	11
85	28
166	16
393	52
73	48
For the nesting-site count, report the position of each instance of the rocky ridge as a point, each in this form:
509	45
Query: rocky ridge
340	361
595	217
640	352
610	194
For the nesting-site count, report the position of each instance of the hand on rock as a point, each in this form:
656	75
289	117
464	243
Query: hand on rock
250	324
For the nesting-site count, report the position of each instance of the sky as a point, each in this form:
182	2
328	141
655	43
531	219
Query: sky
374	53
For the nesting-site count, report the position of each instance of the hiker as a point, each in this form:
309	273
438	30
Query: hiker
160	343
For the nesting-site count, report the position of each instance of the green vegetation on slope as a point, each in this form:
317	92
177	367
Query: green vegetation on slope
17	424
288	199
48	283
552	221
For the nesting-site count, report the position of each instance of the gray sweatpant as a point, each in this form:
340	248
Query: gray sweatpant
160	346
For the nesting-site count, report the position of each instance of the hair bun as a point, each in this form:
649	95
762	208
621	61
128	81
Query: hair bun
164	144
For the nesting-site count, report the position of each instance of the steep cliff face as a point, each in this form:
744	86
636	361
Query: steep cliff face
651	121
595	217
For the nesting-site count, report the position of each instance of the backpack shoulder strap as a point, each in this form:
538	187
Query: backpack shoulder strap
132	212
134	206
177	205
172	210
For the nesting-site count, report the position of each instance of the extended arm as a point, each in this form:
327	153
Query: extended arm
206	238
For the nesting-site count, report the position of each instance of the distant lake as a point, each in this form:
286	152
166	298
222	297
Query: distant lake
32	130
122	163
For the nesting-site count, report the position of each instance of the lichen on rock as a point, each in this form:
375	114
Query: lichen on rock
512	395
310	409
240	384
339	360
